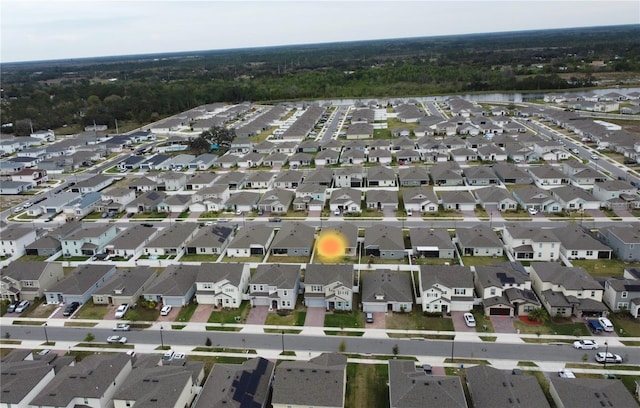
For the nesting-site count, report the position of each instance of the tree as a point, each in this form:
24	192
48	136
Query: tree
199	145
536	314
219	135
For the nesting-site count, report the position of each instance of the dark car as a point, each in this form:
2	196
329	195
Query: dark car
71	307
146	224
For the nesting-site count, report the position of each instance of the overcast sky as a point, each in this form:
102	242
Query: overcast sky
56	29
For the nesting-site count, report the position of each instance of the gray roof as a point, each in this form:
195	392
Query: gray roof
573	236
629	234
173	236
592	392
492	388
243	198
126	281
546	172
568	193
90	231
28	270
321	175
81	279
463	197
278	275
574	278
175	280
232	177
419	195
480	236
428	237
384	286
380	173
385	237
342	195
382	196
260	176
493	194
500	275
217	272
620	285
93	181
278	195
132	237
479	172
327	274
319	382
413	173
19	378
14	232
294	235
253	234
289	176
237	385
535	234
450	276
410	388
348	231
202	178
89	378
211	237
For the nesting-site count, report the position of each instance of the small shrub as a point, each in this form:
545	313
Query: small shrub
208	342
90	337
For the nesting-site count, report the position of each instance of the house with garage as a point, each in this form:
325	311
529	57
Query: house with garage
420	199
491	153
310	197
82	206
276	286
546	175
260	180
447	174
496	198
347	200
8	187
212	198
382	200
381	176
175	203
234	179
94	184
116	198
172	181
293	239
125	286
349	177
80	284
34	176
202	162
244	201
276	201
329	286
250	160
222	284
511	174
349	233
147	202
252	240
567	291
227	161
527	243
577	242
480	240
14	240
131	242
457	200
590	392
616	194
143	184
431	243
407	156
536	198
88	240
480	176
327	157
385	290
172	241
623	295
383	157
290	179
623	239
444	288
490	387
384	242
28	280
210	240
175	286
276	159
413	176
573	198
505	289
321	176
201	180
353	157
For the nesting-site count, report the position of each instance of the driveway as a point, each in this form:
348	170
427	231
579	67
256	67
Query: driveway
458	323
315	317
258	315
202	313
379	321
503	324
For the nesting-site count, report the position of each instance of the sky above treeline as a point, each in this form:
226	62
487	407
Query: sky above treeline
32	30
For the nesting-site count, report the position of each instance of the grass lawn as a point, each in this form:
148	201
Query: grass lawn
294	318
482	260
604	267
553	326
185	313
436	261
230	315
630	326
416	321
143	314
248	259
92	311
367	385
289	259
351	319
153	214
482	321
199	258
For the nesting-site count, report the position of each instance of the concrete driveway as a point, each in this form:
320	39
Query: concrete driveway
459	325
202	313
379	321
503	324
315	317
258	315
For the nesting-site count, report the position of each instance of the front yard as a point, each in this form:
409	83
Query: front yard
287	318
559	326
352	319
415	320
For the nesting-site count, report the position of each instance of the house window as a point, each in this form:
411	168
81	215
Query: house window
539	254
593	293
202	250
208	286
589	253
574	253
493	291
459	291
623	305
624	295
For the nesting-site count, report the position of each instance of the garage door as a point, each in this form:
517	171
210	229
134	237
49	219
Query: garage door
499	311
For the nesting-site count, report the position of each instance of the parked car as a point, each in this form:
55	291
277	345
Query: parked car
122	327
585	344
166	309
146	224
606	324
12	307
168	355
275	219
595	157
595	326
532	211
368	317
22	306
71	307
469	320
603	357
18	209
121	310
116	339
336	211
409	212
565	373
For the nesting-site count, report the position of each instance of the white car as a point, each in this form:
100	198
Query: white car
336	211
532	211
166	309
606	324
122	327
18	209
565	373
594	157
469	320
602	357
575	151
585	345
121	310
116	339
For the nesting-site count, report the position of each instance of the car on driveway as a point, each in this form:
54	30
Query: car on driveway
122	327
116	339
585	344
22	306
469	320
166	309
121	310
12	307
71	307
368	317
532	211
603	357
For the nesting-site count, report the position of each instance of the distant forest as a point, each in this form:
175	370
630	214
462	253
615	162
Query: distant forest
142	89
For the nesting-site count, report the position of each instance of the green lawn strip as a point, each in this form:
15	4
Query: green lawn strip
631	343
4	341
223	350
415	320
230	316
343	333
545	341
423	336
488	338
594	366
223	328
482	260
630	326
105	345
186	312
278	331
28	322
367	385
287	318
91	311
178	326
527	364
604	267
467	361
199	258
79	324
557	327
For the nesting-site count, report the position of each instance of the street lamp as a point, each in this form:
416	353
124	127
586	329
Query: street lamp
452	346
161	339
282	337
606	353
45	334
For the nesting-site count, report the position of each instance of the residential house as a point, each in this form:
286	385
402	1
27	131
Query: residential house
14	239
24	379
131	242
327	157
276	160
28	280
360	131
213	198
480	240
589	392
276	286
293	239
480	176
384	241
88	240
299	381
511	174
457	200
248	383
413	176
491	153
222	284
573	198
381	176
91	382
352	177
80	284
143	184
147	202
52	205
300	159
93	184
175	286
615	194
623	239
407	156
321	176
34	176
203	162
463	154
496	198
210	240
227	161
244	201
82	206
536	198
116	198
8	187
347	200
175	203
290	179
383	157
352	157
200	181
490	387
249	160
547	175
252	240
172	241
125	286
310	197
382	200
431	243
234	179
447	174
260	180
172	181
420	199
445	289
329	286
577	242
623	295
384	290
505	289
276	201
349	232
527	243
410	387
566	291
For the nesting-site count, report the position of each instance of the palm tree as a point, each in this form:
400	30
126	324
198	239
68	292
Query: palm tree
536	314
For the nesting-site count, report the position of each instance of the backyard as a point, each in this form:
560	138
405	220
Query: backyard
604	267
367	385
